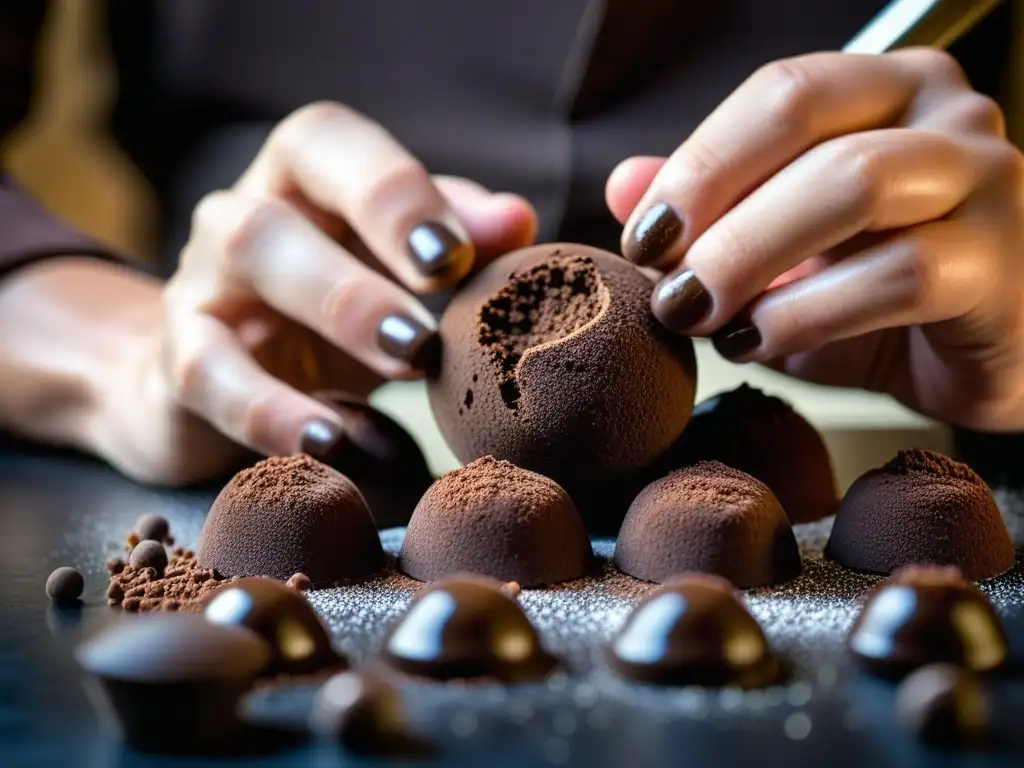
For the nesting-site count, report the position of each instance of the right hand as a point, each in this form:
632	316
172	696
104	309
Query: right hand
300	277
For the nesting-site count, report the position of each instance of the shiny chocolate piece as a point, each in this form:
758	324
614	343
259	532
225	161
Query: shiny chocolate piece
944	705
151	527
467	627
170	681
693	630
923	615
65	585
279	614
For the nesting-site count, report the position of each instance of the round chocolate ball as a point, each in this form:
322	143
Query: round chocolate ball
495	519
149	554
172	681
944	705
553	360
287	515
380	457
924	615
693	630
921	507
151	527
279	614
467	627
65	585
708	518
763	436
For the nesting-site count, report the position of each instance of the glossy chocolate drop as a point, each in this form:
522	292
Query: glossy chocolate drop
924	614
281	615
693	631
467	627
944	705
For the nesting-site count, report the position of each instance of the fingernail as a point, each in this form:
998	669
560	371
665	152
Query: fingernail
736	340
653	235
320	437
434	248
681	301
406	339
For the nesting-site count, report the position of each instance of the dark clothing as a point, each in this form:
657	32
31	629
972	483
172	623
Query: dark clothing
537	97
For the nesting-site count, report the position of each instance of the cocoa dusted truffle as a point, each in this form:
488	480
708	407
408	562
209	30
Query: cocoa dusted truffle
925	614
152	527
65	585
288	515
552	360
709	518
495	519
763	436
149	554
921	507
693	631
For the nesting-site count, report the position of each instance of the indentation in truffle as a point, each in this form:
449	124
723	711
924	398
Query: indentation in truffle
542	305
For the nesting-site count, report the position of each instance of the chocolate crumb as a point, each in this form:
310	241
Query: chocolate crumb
152	527
115	565
300	581
149	554
183	585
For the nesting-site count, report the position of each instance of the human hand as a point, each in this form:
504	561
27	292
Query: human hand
299	278
850	220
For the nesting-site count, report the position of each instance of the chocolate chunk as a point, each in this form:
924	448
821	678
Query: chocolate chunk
149	554
152	528
944	705
65	585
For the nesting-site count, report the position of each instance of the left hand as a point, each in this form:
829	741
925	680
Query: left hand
850	220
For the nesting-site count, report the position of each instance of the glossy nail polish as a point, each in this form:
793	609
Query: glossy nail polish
653	235
320	438
406	339
434	248
681	301
737	339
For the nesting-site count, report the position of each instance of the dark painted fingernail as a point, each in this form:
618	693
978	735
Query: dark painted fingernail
406	339
737	339
653	235
320	438
434	248
681	301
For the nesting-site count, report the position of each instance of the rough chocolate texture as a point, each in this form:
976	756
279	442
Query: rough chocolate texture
708	518
763	436
553	361
921	507
495	519
287	515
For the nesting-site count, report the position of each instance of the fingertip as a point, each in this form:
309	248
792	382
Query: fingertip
628	183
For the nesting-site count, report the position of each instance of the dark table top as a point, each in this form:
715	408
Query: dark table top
57	509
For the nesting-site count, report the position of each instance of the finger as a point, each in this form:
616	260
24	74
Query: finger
270	248
627	183
496	223
779	113
863	182
966	112
350	166
926	274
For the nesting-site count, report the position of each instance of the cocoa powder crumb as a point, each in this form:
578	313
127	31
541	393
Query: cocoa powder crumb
182	587
115	565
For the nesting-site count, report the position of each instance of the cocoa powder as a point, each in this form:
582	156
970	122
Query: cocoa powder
182	587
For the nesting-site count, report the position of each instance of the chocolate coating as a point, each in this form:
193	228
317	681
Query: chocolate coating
65	585
943	705
709	518
380	457
149	554
152	527
921	507
923	615
763	436
693	630
288	515
279	614
467	627
495	519
552	360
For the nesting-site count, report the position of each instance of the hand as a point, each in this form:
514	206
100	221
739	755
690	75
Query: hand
850	220
285	287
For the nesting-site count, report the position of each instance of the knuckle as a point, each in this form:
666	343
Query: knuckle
982	113
314	117
210	210
918	273
246	231
1006	166
937	65
790	89
339	300
187	372
402	176
863	171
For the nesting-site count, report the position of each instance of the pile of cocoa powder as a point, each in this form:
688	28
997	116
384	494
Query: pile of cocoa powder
181	587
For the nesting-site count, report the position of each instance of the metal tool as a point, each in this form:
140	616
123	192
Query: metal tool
907	23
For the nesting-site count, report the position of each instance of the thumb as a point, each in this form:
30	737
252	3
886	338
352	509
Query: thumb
496	222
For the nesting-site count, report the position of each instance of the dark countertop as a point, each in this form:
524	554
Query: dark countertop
58	509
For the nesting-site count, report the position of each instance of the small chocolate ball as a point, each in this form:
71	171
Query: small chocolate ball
944	705
65	585
152	528
300	581
149	554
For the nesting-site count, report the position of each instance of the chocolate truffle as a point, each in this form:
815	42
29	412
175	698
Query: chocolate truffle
279	614
926	614
553	360
921	507
467	627
65	585
149	554
709	518
944	705
763	436
287	515
173	681
152	527
380	457
693	630
495	519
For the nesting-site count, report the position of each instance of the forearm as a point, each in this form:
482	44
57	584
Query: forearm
66	325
